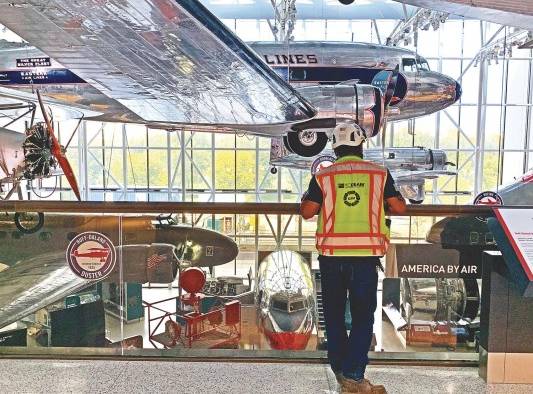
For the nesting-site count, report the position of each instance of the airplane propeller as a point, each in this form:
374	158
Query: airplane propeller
386	81
58	152
388	97
391	87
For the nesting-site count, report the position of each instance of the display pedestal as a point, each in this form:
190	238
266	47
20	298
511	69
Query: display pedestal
506	330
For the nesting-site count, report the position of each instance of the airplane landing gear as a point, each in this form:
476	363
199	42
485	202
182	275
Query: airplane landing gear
273	170
305	143
29	222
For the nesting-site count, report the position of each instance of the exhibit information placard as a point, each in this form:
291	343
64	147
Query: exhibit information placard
518	226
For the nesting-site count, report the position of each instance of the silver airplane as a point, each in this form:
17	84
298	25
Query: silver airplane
177	65
285	300
38	275
410	167
419	91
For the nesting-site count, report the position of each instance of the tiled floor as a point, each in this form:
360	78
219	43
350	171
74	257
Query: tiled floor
46	376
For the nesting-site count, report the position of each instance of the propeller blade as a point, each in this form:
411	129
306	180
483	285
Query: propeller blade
391	87
69	174
388	97
57	152
386	81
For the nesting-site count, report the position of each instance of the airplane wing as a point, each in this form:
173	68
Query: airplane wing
36	283
167	61
60	109
410	176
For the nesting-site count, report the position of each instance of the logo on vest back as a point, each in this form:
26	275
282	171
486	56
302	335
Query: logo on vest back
348	185
351	198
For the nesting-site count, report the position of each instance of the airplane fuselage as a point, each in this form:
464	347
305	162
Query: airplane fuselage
204	247
419	91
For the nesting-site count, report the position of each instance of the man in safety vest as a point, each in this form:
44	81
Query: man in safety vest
350	198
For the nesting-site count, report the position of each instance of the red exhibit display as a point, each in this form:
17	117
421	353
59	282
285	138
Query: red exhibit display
211	322
192	280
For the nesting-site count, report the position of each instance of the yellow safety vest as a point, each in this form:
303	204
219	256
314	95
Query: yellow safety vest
351	221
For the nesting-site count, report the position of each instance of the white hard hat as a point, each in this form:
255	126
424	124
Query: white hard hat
349	134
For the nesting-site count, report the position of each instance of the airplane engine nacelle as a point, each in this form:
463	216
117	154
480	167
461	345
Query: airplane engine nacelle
155	263
37	148
361	104
438	299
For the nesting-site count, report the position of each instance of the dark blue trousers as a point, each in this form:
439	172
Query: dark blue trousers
355	278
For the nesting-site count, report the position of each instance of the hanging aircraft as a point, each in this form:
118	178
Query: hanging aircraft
38	274
410	166
34	154
312	66
173	65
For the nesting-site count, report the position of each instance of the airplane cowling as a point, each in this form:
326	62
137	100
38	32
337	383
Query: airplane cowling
362	104
155	263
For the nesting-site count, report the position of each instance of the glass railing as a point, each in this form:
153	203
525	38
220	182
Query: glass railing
224	280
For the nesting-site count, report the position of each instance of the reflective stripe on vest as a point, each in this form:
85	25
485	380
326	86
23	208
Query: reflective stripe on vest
352	219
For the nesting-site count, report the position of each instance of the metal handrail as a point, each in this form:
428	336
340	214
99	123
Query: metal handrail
218	208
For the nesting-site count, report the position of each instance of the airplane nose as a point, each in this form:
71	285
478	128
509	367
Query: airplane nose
458	91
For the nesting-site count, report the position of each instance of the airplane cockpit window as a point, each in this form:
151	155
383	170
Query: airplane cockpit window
423	64
409	64
279	305
296	306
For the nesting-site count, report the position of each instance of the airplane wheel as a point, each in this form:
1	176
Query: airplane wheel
273	170
286	144
305	143
28	223
416	202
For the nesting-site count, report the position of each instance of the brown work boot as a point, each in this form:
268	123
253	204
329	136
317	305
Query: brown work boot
349	386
